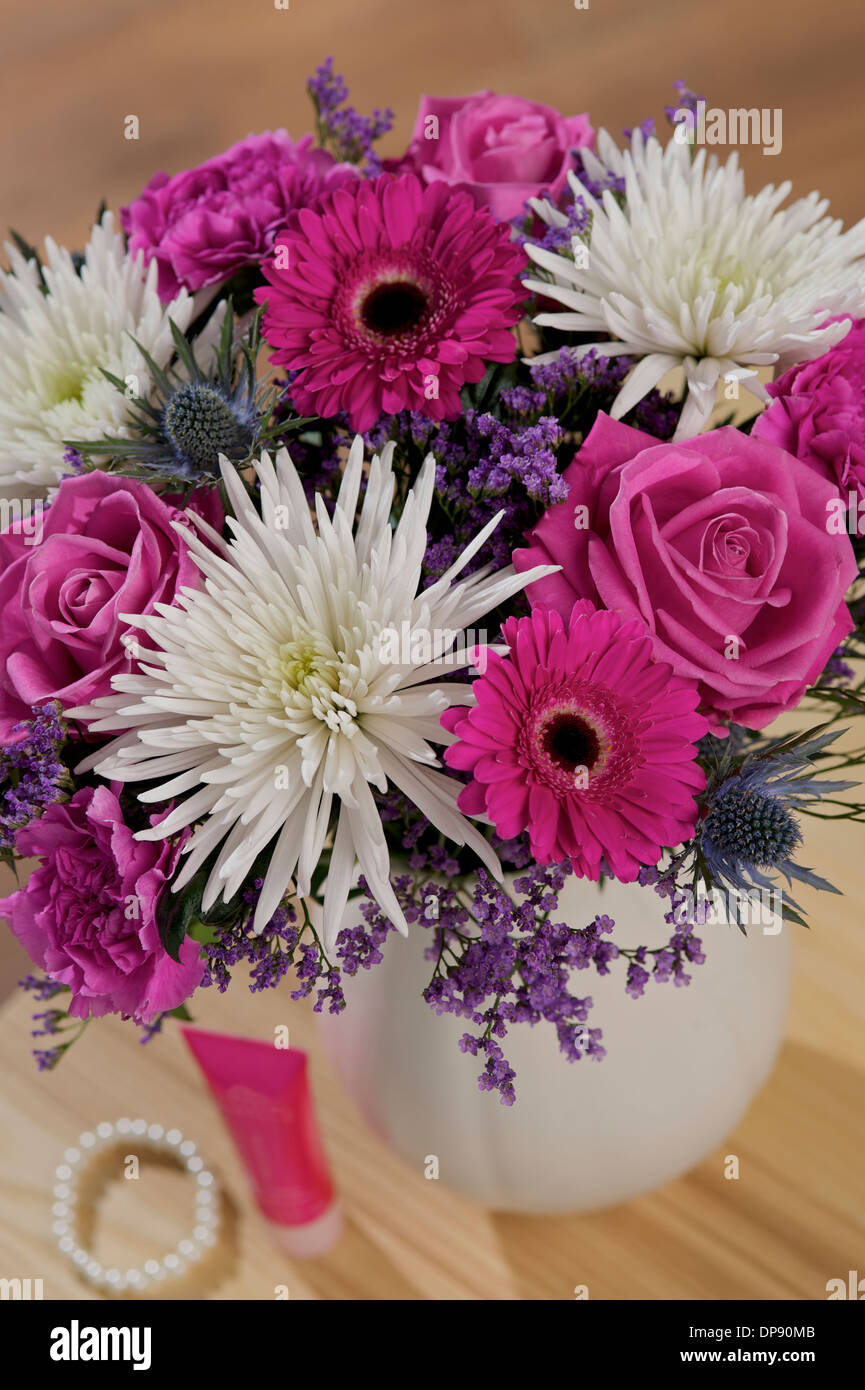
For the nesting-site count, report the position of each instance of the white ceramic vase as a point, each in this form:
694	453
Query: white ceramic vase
681	1069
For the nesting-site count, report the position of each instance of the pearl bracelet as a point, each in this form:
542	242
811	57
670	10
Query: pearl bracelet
78	1159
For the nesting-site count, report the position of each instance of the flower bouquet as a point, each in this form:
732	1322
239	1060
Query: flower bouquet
385	542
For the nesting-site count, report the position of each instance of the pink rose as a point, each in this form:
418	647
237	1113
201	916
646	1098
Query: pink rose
203	224
87	914
818	412
107	547
504	149
720	544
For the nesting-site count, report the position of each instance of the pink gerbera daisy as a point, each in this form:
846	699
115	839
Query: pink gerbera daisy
388	296
580	736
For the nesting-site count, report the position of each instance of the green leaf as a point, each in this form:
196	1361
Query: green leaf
176	912
205	932
180	1012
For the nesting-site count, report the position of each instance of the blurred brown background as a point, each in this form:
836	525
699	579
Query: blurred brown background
201	73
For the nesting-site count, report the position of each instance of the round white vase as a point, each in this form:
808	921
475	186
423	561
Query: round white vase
682	1065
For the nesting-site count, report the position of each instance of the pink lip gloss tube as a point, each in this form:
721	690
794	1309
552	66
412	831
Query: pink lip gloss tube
264	1096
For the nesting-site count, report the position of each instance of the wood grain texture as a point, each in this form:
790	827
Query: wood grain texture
199	75
794	1219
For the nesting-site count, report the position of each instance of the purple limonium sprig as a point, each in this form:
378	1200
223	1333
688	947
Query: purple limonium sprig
349	135
483	466
663	963
837	670
572	388
52	1022
558	239
687	100
287	943
32	774
498	960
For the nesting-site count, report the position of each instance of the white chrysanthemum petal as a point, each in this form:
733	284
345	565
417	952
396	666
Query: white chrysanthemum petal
56	346
692	272
269	693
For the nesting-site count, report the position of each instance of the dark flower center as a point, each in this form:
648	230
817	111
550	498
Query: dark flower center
395	306
571	742
200	425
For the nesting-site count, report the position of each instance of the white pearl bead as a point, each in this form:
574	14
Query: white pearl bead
87	1140
139	1126
64	1172
187	1148
105	1130
93	1270
204	1179
62	1190
80	1257
72	1156
66	1243
173	1137
60	1228
194	1165
60	1209
155	1131
152	1268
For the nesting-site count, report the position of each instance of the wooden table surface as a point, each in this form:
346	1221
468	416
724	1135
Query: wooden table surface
199	75
794	1219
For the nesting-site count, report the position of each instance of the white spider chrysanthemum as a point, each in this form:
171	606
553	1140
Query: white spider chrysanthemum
55	342
693	273
273	694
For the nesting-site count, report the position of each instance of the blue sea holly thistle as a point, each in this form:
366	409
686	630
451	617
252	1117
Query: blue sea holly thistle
750	832
208	403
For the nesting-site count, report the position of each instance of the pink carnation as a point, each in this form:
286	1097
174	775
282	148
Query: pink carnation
87	914
583	738
818	412
720	545
107	547
203	224
389	296
503	149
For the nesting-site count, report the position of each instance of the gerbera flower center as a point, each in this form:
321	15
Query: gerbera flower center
581	737
571	741
396	306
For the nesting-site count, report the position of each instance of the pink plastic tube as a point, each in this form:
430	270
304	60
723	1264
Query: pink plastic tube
263	1093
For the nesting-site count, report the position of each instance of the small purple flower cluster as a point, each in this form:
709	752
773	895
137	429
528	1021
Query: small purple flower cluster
667	962
349	135
837	671
558	239
687	100
272	953
573	388
484	466
50	1023
32	775
499	960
